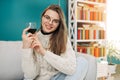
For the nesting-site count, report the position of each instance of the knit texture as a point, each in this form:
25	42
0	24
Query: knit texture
44	67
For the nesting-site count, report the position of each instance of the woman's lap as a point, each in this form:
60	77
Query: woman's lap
81	70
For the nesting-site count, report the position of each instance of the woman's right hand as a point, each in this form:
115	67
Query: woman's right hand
27	38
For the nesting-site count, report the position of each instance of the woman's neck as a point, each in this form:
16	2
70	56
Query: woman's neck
45	33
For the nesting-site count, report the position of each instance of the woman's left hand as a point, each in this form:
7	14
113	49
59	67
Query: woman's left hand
37	46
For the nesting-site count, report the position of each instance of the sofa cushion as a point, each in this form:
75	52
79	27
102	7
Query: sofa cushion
10	60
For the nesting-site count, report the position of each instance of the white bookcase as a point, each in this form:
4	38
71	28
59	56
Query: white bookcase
87	26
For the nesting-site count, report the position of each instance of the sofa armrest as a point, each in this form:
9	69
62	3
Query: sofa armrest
10	60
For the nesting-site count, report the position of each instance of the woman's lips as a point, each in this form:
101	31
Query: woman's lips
48	27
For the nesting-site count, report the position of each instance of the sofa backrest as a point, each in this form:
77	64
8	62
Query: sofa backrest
10	60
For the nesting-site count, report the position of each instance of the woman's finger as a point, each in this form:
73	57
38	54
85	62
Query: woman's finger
25	30
29	34
33	44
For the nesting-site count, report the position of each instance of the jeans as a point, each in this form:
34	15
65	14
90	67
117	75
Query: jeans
80	73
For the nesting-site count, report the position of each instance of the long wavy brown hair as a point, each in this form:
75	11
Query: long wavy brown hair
58	39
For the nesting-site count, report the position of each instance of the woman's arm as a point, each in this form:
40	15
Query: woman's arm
65	63
29	65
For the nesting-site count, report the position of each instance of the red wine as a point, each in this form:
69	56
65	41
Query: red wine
32	31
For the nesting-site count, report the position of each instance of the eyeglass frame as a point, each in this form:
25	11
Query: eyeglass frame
48	18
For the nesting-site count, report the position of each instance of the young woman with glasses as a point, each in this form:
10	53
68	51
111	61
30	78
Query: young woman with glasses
50	55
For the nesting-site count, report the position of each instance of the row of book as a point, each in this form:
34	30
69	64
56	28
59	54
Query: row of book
97	51
90	33
100	1
85	12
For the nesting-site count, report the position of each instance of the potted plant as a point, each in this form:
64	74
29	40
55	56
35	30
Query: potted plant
112	52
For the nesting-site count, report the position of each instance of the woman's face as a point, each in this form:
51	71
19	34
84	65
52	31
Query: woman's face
50	21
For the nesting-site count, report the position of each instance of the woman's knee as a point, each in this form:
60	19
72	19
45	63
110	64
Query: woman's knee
81	61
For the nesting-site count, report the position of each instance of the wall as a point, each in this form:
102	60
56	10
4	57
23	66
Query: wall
14	14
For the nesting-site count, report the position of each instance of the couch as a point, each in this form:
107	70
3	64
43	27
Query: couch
10	61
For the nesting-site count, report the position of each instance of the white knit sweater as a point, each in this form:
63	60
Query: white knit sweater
50	64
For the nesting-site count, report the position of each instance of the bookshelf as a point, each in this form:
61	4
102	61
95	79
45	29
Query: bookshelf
87	26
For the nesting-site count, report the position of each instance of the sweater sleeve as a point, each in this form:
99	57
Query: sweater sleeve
65	63
29	65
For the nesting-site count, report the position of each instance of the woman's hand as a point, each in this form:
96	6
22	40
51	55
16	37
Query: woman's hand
37	46
27	38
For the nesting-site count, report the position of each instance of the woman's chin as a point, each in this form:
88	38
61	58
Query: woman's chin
48	31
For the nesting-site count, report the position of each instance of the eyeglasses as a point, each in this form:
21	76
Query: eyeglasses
54	21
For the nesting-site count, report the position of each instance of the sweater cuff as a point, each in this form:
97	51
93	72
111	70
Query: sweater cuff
46	54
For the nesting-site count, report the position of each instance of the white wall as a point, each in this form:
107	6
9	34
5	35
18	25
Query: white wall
113	19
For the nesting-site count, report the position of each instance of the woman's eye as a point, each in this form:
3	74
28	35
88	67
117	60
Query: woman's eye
47	17
56	21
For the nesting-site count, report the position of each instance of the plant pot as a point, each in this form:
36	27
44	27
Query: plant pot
112	68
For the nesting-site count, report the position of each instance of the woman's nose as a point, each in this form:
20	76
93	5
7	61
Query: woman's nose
50	21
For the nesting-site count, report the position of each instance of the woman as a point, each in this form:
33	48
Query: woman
52	56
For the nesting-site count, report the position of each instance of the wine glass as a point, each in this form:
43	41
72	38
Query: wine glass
32	26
